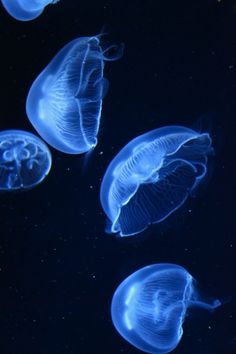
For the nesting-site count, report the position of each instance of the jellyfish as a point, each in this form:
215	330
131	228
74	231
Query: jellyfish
65	101
26	10
25	160
149	307
152	176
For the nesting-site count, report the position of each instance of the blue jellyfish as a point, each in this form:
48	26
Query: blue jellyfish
152	176
65	101
24	160
149	307
26	10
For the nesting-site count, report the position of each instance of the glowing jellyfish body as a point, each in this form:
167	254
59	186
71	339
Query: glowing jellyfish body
26	10
65	101
24	160
152	176
148	308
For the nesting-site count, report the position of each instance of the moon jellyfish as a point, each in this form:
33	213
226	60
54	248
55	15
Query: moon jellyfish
149	307
152	176
65	101
24	160
26	10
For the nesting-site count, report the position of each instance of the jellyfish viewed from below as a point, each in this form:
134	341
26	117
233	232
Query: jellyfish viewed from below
152	176
65	101
149	307
25	160
26	10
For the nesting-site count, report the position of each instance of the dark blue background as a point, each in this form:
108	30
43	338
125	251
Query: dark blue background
58	269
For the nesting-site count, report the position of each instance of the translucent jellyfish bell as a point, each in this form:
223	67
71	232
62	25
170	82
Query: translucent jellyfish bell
26	10
152	176
25	160
65	101
149	307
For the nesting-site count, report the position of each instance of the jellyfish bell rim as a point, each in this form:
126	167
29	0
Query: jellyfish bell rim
114	227
19	13
127	150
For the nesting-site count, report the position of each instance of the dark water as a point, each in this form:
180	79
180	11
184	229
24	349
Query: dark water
58	269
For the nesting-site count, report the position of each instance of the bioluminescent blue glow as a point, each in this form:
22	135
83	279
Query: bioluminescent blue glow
26	10
65	101
152	176
25	160
149	307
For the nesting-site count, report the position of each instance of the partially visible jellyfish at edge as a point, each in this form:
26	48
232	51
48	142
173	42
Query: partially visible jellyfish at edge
149	307
64	103
26	10
152	176
25	160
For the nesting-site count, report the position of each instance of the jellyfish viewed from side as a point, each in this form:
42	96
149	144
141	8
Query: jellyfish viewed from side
25	160
26	10
149	307
65	101
152	176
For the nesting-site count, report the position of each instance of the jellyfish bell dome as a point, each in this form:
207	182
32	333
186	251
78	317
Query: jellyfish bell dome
149	307
64	103
26	10
152	176
25	160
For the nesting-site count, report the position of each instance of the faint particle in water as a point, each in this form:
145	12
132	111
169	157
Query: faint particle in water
25	160
26	10
149	307
152	176
64	103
